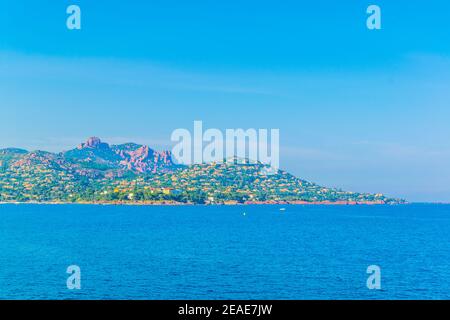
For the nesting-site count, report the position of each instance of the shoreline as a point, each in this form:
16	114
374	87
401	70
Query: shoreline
248	203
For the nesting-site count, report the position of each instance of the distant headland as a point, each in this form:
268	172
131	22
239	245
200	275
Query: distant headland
98	173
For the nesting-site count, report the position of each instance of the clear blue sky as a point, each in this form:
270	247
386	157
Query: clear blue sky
357	109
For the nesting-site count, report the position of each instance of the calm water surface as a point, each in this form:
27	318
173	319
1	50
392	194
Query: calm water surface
162	252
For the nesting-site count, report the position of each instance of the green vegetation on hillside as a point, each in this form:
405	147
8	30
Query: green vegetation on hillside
98	173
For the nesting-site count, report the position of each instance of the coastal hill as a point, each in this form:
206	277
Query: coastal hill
96	172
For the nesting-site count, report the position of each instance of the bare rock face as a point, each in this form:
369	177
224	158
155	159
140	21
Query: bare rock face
93	143
145	159
95	155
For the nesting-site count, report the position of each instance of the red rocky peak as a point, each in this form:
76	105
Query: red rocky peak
93	143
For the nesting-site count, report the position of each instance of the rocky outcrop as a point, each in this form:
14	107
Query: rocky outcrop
129	156
145	159
93	143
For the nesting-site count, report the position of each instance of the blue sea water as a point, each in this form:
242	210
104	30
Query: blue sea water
218	252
